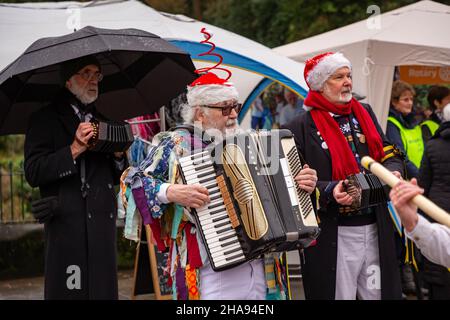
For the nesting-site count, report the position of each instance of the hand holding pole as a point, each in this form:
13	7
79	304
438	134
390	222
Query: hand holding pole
422	202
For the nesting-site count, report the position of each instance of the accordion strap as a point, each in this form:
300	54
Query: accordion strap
302	160
206	138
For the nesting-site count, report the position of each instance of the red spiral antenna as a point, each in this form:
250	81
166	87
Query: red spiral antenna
211	53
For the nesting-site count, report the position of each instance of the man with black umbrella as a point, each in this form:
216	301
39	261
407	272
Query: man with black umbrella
78	204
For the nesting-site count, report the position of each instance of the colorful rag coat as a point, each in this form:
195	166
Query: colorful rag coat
173	227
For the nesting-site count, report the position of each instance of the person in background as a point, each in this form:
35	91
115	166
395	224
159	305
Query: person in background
434	177
402	129
258	113
438	97
433	239
405	133
293	108
280	104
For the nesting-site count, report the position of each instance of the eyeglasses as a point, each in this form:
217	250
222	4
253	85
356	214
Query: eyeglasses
86	75
406	99
226	110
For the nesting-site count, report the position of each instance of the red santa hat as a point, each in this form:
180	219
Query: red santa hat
210	89
319	68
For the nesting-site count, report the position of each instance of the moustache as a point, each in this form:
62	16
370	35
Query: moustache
230	122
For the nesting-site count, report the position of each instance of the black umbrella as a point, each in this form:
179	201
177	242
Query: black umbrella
141	71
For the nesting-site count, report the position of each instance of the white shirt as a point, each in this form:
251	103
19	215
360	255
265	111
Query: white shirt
87	116
433	240
162	193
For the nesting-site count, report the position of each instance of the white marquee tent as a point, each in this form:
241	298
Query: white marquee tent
253	65
416	34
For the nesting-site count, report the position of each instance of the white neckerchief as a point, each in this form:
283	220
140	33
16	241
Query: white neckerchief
87	116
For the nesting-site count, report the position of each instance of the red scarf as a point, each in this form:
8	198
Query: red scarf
342	158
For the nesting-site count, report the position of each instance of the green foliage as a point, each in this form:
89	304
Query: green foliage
23	257
126	251
421	96
172	6
16	194
420	100
11	147
273	22
277	22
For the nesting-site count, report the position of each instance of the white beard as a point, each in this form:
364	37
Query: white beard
341	97
222	134
212	130
82	94
229	129
345	97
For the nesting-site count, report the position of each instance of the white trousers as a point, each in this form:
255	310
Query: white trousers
358	271
244	282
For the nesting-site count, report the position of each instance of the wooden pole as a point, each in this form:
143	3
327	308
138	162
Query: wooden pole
431	209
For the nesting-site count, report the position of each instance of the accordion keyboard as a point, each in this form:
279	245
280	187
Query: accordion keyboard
300	199
218	218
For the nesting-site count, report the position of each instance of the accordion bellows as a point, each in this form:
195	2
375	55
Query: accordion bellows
366	190
110	137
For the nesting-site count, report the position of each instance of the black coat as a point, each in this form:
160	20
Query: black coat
83	231
434	177
426	133
434	174
319	265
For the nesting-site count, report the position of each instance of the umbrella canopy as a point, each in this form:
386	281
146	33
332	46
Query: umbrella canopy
141	71
253	65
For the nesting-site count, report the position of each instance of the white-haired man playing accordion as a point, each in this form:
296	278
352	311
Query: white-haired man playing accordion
212	106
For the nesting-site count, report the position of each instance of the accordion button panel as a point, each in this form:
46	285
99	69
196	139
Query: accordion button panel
300	198
217	219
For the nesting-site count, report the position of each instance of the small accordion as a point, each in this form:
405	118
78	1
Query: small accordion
256	206
366	190
110	136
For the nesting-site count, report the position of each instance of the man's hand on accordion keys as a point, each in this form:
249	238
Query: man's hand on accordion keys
192	196
84	132
307	179
340	195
